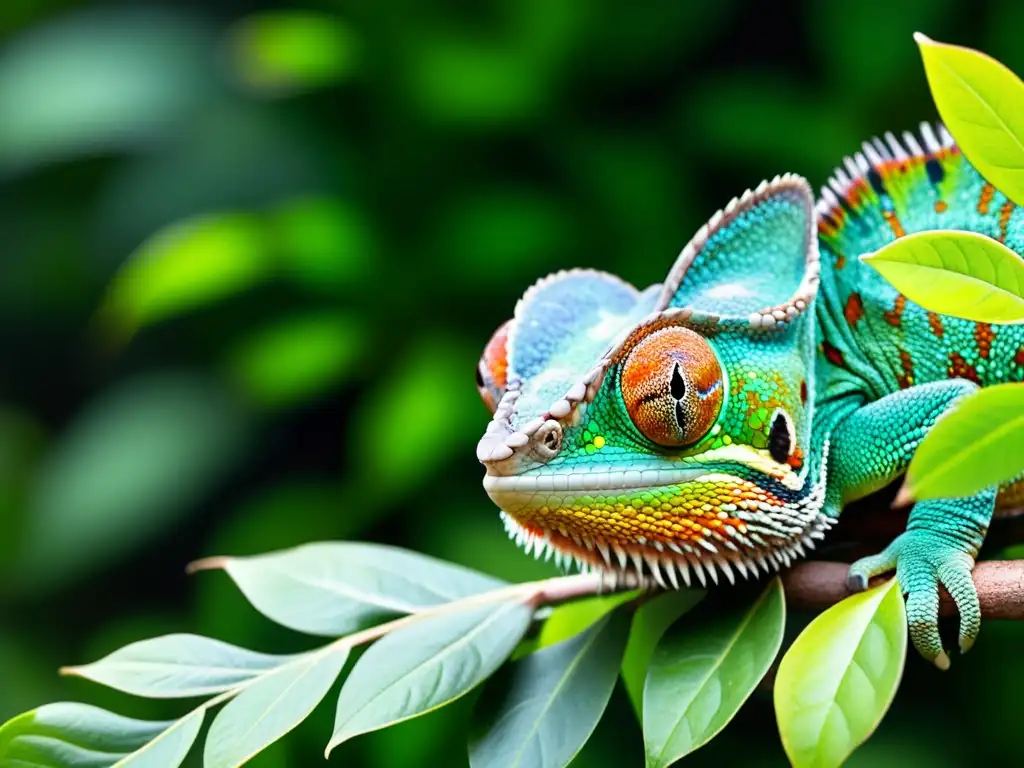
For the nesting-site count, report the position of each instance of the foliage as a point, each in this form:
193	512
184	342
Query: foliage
839	677
438	631
982	104
968	275
964	274
401	171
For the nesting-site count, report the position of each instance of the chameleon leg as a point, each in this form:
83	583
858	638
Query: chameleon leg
943	536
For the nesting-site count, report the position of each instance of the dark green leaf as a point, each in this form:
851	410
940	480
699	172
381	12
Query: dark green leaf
557	697
297	359
702	671
650	621
137	458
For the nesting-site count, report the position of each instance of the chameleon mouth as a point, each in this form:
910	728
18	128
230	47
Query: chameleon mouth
665	564
699	526
501	485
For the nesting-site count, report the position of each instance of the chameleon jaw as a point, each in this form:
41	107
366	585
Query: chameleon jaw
665	564
715	523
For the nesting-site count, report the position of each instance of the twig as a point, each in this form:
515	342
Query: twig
814	586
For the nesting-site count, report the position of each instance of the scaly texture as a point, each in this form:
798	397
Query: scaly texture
718	422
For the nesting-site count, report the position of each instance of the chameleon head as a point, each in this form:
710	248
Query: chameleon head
665	431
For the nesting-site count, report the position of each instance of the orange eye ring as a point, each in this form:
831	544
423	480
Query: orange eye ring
672	385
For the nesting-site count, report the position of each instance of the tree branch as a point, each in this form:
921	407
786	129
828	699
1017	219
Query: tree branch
814	586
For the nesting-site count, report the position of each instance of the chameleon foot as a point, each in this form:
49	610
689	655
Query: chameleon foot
922	562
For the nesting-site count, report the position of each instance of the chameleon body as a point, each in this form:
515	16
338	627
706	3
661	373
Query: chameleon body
715	424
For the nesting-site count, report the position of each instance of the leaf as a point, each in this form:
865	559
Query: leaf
186	266
978	444
837	680
571	618
650	621
69	735
963	274
100	80
271	707
132	462
326	244
297	359
557	697
982	104
283	52
177	666
334	588
427	665
416	420
702	671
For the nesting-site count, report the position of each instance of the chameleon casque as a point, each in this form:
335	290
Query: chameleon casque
715	424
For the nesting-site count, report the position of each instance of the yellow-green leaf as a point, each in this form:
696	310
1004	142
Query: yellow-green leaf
978	444
838	679
185	267
963	274
982	103
284	51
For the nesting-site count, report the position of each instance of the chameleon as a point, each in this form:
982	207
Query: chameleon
714	425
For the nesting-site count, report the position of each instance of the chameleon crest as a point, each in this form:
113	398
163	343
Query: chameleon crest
666	431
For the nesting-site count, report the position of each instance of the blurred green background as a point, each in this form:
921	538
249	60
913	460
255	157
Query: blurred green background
251	252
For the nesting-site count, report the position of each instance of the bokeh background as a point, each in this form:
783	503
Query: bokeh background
250	251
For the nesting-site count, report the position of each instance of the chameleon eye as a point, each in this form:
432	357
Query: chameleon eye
492	370
672	386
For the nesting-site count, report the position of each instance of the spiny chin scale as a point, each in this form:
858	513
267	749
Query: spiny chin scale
663	564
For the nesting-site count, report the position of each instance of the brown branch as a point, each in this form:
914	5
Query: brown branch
814	586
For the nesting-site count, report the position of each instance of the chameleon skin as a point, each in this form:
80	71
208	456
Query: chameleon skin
892	368
815	383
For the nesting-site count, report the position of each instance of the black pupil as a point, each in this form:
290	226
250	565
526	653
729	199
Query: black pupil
677	386
678	383
778	439
479	377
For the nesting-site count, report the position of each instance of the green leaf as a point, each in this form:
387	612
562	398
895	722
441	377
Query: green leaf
978	444
571	618
963	274
271	707
334	588
69	735
177	666
650	621
186	266
416	420
325	244
427	665
982	104
557	697
282	52
297	359
100	81
141	455
702	671
837	680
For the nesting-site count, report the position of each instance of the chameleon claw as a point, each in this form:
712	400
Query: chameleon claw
856	582
942	661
